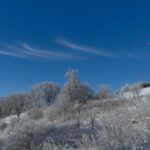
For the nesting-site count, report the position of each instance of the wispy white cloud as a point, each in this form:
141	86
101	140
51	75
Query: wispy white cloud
83	48
28	52
12	53
46	53
133	55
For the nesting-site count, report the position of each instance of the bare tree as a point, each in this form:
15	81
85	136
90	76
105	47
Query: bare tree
18	104
7	106
85	92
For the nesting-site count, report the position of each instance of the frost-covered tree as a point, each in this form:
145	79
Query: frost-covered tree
104	92
85	92
71	88
19	101
14	104
45	92
7	106
74	90
125	88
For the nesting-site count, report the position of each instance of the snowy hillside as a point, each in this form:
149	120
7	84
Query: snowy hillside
140	92
11	118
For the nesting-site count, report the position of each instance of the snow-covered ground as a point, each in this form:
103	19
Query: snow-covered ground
142	92
123	121
11	118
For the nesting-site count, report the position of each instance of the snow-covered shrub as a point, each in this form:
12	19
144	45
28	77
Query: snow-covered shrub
2	145
21	137
35	113
3	126
58	109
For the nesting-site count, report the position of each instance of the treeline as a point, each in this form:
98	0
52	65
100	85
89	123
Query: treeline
46	93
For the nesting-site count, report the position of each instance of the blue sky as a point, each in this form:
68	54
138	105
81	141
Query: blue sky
107	41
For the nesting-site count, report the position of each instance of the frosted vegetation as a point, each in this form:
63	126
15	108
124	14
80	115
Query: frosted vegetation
76	117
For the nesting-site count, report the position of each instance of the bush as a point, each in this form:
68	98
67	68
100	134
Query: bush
59	109
3	126
20	138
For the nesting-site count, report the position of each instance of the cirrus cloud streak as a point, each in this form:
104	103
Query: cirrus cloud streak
83	48
25	51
